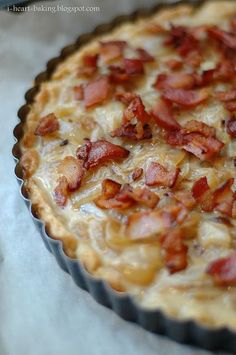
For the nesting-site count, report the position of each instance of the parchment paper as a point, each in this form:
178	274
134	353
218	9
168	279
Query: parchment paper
42	312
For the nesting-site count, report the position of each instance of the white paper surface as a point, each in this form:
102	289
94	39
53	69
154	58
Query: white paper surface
42	312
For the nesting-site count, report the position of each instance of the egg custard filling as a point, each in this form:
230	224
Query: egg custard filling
129	156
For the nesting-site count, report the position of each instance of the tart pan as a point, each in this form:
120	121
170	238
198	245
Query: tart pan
156	321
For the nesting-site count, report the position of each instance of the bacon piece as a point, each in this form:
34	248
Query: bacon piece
125	97
111	50
73	170
89	65
186	198
200	187
226	38
187	98
100	152
117	197
137	173
162	115
82	152
78	92
202	194
201	144
223	270
200	127
140	195
175	81
96	91
61	191
187	44
145	197
194	59
133	131
206	77
224	71
133	66
230	106
175	138
174	64
157	174
175	251
144	56
47	125
205	148
136	109
231	127
182	40
118	75
110	188
226	96
224	197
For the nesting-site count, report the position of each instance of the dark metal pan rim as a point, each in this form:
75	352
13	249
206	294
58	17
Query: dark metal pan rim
184	331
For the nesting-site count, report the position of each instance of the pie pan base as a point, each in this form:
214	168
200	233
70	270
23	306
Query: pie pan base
155	321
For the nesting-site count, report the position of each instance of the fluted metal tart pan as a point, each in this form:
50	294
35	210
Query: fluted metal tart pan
183	331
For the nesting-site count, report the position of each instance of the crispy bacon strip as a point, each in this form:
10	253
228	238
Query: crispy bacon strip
175	251
180	38
137	173
144	56
133	66
199	127
187	98
226	96
145	197
96	91
125	97
224	37
100	152
202	194
205	148
230	106
120	197
47	125
89	65
111	50
224	71
158	175
231	126
61	191
174	64
223	270
224	197
136	109
175	81
110	188
162	115
186	198
118	75
133	131
72	169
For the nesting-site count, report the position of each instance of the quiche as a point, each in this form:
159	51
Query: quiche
129	155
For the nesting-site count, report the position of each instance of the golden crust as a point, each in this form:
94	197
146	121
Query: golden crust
74	226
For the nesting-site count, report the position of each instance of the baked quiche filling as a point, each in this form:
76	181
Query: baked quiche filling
129	156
